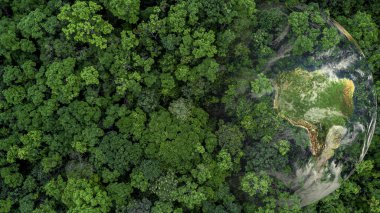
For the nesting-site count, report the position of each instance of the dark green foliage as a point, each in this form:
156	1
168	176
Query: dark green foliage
116	153
159	106
265	155
308	37
230	137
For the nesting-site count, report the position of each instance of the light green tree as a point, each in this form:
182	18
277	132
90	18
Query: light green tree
90	75
81	195
83	24
253	183
127	10
283	146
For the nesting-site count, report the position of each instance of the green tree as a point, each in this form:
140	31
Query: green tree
82	195
29	148
124	9
261	86
119	193
83	24
330	38
161	207
181	109
231	138
63	82
15	94
9	42
203	43
138	181
165	187
165	134
32	24
303	44
116	152
11	176
253	184
90	75
6	205
299	21
191	195
143	205
283	146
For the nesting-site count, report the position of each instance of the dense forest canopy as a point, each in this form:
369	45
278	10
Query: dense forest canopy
133	106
